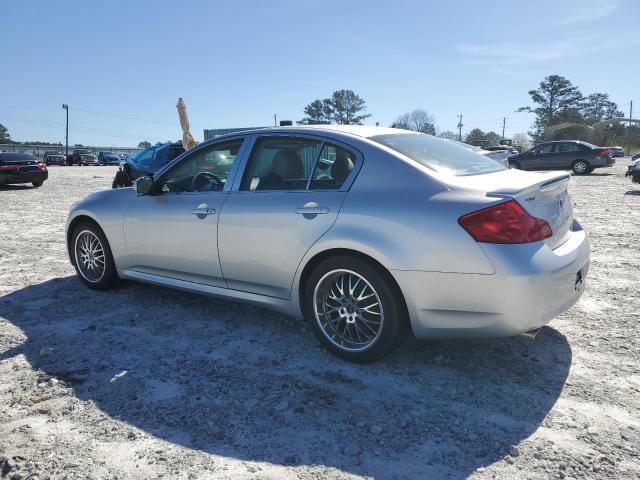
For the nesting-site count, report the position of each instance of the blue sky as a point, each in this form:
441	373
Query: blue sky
121	65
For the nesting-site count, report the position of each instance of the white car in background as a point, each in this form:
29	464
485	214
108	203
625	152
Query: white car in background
501	156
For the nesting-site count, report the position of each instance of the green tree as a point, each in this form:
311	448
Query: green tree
4	134
318	112
492	138
598	107
418	120
144	144
475	137
347	108
556	100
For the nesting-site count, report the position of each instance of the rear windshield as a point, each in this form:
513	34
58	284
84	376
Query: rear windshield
440	155
14	157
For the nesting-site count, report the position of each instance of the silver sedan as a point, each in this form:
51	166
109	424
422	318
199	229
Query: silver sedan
369	233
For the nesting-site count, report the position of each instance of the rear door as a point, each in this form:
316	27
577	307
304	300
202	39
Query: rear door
289	195
564	154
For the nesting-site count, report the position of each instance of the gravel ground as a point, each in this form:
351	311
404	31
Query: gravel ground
145	382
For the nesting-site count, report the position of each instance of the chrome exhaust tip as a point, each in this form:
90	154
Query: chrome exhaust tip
530	335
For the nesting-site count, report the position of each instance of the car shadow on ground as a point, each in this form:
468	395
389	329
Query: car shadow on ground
243	382
597	174
632	192
16	187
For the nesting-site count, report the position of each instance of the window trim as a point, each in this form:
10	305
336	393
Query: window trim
346	185
186	155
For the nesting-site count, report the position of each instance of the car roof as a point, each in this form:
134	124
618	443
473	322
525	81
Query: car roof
364	131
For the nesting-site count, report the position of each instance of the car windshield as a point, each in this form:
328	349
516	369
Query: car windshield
108	153
440	155
51	152
83	151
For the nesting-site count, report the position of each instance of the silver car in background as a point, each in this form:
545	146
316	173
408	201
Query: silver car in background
369	233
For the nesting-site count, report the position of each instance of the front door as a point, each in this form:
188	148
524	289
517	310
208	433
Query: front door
174	231
289	196
539	158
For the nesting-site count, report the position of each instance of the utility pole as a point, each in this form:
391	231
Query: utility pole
630	111
66	135
275	119
460	127
504	121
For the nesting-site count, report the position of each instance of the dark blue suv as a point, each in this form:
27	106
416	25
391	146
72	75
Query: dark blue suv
145	162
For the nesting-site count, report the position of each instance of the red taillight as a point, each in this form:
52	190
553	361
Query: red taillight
505	223
42	166
7	168
604	152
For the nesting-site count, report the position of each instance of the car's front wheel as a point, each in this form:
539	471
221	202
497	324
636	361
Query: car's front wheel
92	257
354	309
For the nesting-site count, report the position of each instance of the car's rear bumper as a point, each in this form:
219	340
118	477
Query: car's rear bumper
26	177
531	285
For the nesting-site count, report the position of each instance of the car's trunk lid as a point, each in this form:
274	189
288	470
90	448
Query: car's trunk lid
543	194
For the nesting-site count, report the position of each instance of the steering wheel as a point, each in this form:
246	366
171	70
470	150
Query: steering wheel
208	177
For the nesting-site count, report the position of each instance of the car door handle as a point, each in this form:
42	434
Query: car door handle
312	210
203	211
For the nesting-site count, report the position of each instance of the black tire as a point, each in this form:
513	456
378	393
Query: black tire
109	276
394	320
515	165
36	184
121	180
580	167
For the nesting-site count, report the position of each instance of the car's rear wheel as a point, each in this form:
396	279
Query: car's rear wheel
354	309
580	167
37	184
515	165
92	257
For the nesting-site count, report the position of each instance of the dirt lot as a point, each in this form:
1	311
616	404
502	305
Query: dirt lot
144	382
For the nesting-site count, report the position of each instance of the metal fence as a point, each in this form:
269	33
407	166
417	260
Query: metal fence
38	150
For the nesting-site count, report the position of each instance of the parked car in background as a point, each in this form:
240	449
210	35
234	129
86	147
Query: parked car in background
82	156
498	148
108	158
53	157
22	168
581	157
500	155
633	171
636	157
145	162
122	156
617	151
368	232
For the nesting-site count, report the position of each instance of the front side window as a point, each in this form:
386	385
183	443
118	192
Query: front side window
543	149
206	170
333	168
438	154
280	163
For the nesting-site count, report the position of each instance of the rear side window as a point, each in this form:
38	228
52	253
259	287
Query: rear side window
566	147
280	163
333	168
440	155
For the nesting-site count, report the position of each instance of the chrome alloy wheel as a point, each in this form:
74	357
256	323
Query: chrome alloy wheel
580	167
348	310
89	255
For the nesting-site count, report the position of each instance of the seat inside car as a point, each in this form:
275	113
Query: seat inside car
341	168
286	172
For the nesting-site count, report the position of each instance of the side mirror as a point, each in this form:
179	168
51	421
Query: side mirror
142	186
